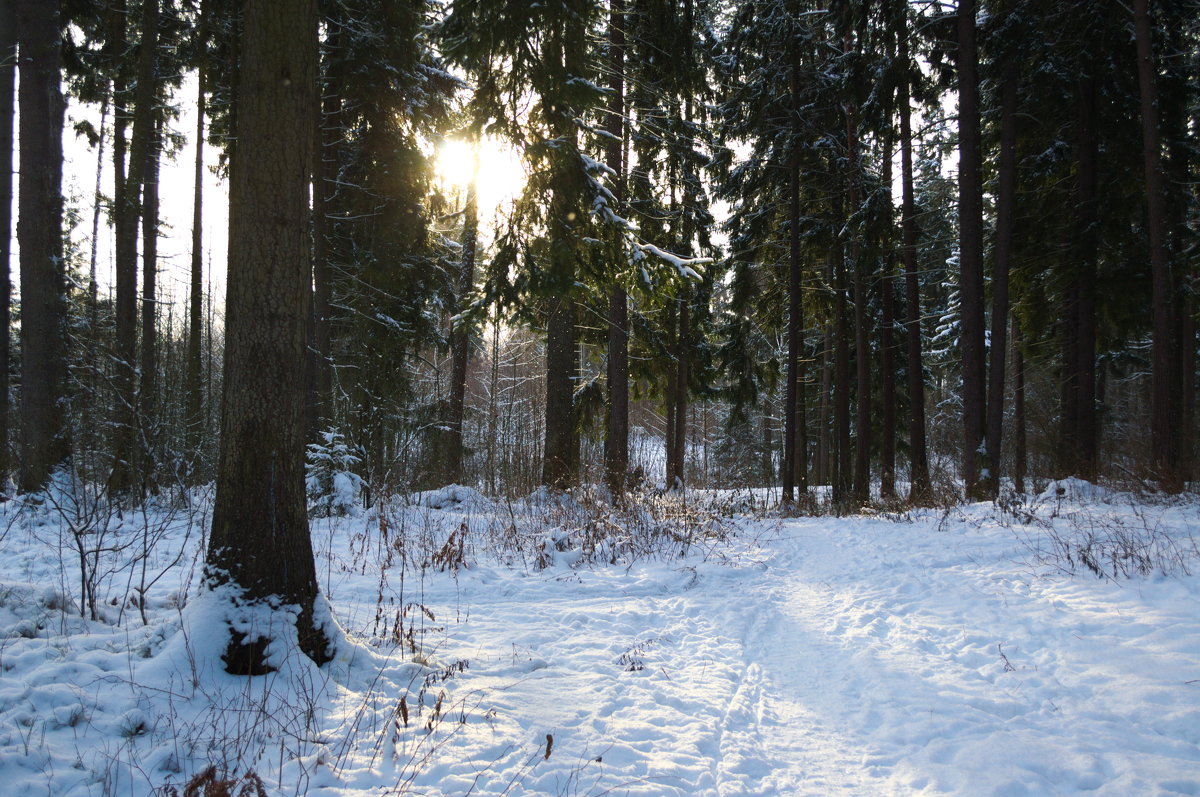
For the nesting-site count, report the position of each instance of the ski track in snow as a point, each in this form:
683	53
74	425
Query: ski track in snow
825	656
857	657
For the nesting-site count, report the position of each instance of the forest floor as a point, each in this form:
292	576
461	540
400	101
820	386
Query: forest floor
544	646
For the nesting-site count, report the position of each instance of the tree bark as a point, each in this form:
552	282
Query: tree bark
795	339
616	438
862	349
8	85
824	443
460	332
44	444
326	138
148	393
121	480
970	209
920	489
678	458
259	541
194	389
558	459
1162	422
842	473
1087	247
1006	194
887	386
1020	458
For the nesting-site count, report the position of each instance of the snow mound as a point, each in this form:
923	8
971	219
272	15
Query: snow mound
452	496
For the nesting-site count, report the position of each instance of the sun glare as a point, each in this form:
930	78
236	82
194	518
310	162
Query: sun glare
501	174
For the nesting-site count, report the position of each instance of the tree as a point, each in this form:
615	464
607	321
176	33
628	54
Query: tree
193	385
128	211
259	544
616	438
1162	421
1005	212
970	243
920	488
8	75
460	330
44	445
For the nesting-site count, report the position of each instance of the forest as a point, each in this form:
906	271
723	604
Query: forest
312	287
777	243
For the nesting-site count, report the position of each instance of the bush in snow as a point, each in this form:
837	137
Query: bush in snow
333	486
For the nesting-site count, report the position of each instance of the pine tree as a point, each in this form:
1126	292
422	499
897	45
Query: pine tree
259	542
44	445
8	84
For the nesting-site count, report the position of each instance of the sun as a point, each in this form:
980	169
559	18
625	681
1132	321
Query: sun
501	173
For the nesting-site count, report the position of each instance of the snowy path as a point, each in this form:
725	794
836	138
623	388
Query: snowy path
839	658
830	656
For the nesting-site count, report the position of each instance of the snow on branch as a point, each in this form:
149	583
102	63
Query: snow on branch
681	264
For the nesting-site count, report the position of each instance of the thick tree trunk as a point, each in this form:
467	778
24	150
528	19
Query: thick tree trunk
121	480
561	447
8	85
259	539
616	438
970	209
558	459
1163	455
44	445
1005	211
920	490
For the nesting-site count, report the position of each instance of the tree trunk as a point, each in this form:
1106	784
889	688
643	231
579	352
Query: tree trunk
326	138
616	438
44	445
862	349
1005	211
561	338
1162	422
824	444
121	480
259	541
460	332
841	364
148	394
1086	428
887	386
1020	458
8	80
920	490
561	448
675	478
970	204
194	389
97	211
795	329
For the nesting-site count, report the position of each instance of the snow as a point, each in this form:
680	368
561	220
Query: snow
552	645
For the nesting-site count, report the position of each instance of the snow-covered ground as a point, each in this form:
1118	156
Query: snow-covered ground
548	647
